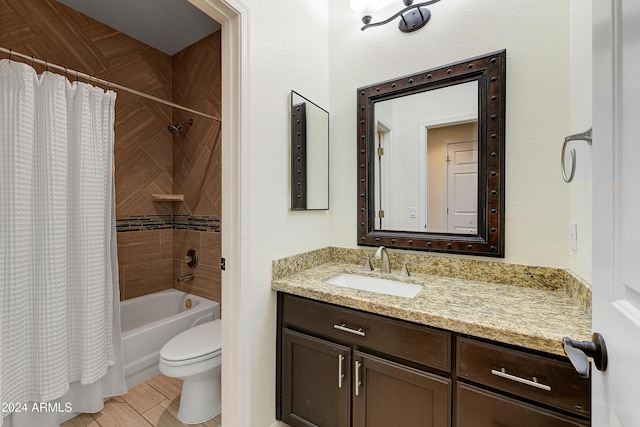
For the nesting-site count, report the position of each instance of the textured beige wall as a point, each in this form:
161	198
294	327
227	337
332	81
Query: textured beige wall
536	38
580	120
289	50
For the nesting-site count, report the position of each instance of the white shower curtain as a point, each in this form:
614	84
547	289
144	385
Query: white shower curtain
59	296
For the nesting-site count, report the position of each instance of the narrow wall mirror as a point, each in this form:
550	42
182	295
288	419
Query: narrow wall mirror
309	155
431	159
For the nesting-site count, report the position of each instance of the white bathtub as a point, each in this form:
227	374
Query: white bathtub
150	321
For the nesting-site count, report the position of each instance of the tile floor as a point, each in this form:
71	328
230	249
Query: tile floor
152	403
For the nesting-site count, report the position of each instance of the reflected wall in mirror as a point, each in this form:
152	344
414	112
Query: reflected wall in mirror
426	170
309	155
431	159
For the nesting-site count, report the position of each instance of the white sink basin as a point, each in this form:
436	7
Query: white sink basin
376	284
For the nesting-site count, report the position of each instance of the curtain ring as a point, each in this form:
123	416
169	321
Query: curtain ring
10	53
76	75
32	60
46	65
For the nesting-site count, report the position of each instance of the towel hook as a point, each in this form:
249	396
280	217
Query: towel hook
585	136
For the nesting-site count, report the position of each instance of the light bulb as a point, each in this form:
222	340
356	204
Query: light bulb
364	8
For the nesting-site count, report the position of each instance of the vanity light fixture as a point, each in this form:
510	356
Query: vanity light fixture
412	17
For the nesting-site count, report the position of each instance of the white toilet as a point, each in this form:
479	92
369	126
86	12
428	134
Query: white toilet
194	356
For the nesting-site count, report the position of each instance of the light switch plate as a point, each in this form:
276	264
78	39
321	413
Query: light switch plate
573	236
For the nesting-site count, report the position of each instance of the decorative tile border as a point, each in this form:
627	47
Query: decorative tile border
175	222
143	223
196	223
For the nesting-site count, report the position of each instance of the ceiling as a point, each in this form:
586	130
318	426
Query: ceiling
167	25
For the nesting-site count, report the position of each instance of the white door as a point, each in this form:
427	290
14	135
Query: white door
616	203
462	187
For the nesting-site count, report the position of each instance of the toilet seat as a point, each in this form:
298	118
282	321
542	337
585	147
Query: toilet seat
194	345
190	361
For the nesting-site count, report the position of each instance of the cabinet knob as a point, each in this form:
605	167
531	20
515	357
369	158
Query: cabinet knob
579	353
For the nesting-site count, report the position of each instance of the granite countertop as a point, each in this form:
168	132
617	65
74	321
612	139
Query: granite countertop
519	315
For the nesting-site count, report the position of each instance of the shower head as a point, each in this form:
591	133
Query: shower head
176	130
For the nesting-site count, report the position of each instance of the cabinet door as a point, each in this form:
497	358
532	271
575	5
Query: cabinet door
482	408
315	381
386	394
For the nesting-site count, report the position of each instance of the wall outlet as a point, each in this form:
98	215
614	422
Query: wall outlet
412	212
573	236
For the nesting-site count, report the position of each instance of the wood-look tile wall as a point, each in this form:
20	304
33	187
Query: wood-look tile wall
207	273
196	161
144	149
196	153
145	262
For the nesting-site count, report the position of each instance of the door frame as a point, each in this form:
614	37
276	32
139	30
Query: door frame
233	16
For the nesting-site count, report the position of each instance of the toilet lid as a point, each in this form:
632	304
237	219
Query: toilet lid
194	342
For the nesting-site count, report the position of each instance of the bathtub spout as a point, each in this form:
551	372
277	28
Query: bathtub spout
186	278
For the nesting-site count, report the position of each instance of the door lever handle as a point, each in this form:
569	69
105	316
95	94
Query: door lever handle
579	353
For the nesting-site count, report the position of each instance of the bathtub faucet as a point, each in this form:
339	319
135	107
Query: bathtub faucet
186	278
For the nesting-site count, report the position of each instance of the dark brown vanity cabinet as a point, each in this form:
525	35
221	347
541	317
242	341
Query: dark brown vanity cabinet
316	376
335	370
530	389
343	367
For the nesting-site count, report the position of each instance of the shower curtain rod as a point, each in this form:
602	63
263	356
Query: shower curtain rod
110	85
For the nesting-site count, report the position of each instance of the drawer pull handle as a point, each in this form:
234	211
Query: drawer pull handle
345	328
356	380
340	376
531	383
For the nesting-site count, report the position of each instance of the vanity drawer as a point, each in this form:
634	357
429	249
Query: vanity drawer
534	377
481	408
398	338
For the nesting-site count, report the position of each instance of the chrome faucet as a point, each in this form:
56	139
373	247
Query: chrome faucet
186	278
367	263
405	270
383	255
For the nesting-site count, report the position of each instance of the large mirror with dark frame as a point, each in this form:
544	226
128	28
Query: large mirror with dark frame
431	155
309	155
